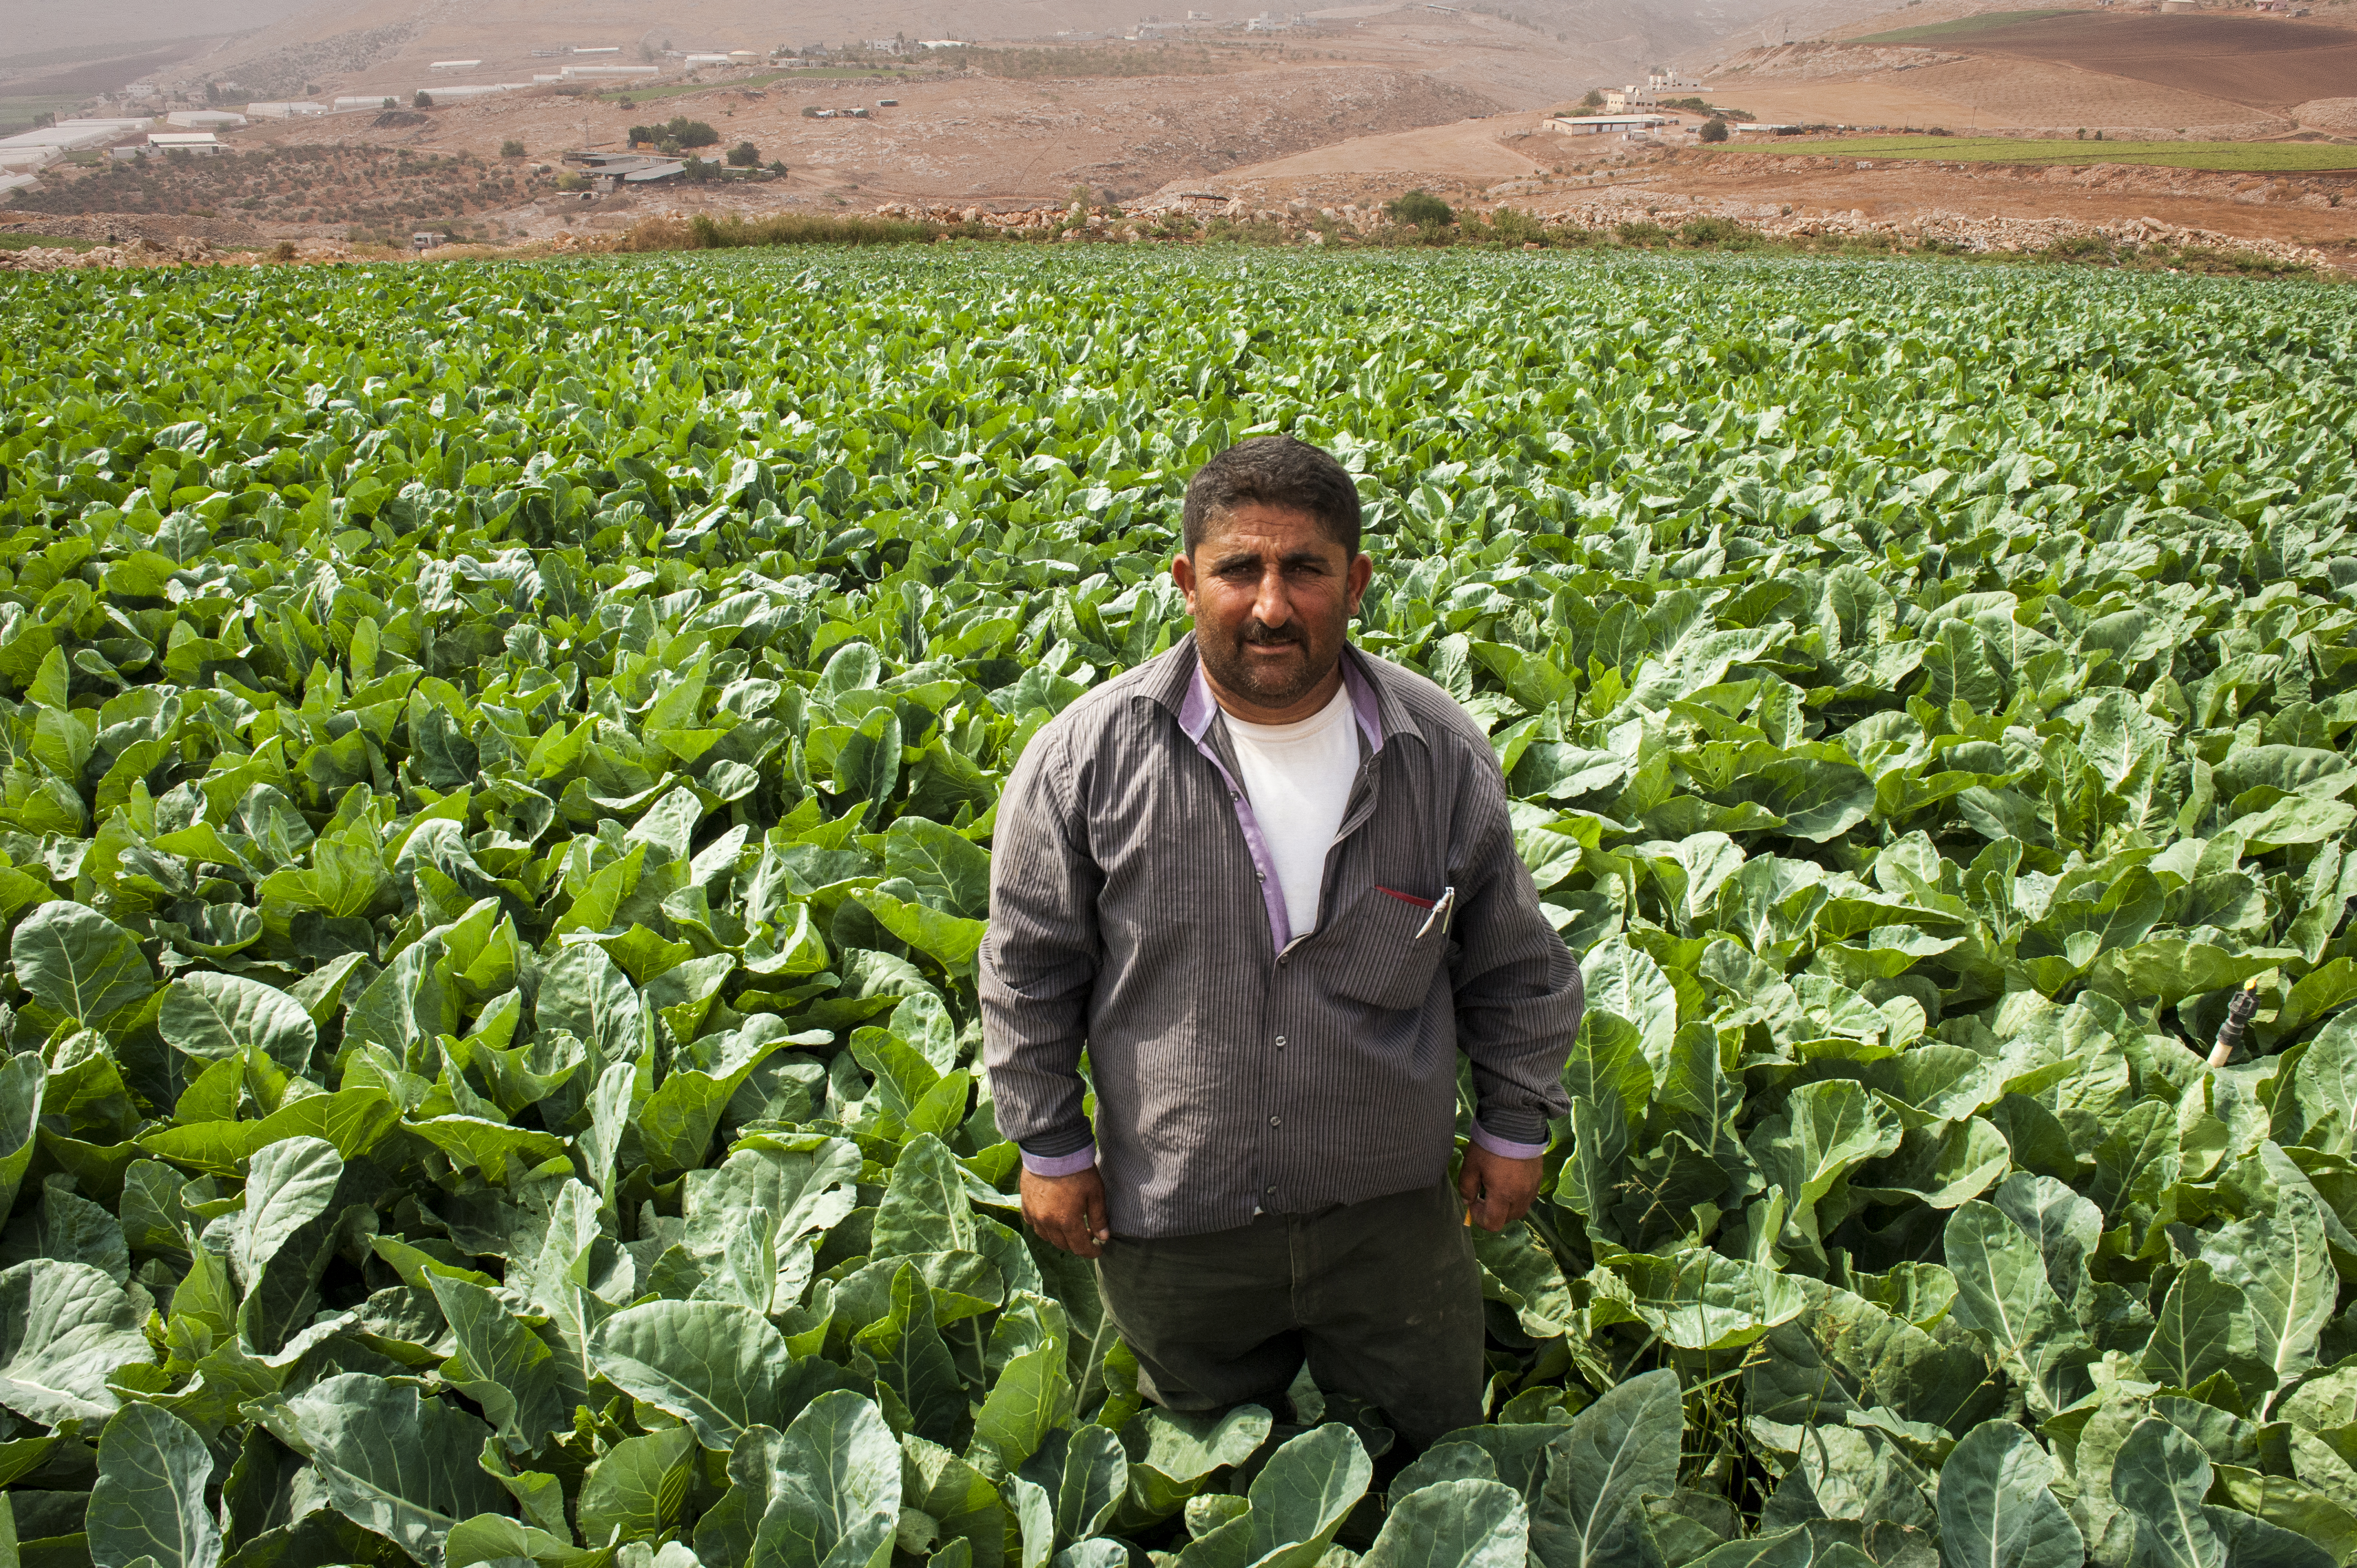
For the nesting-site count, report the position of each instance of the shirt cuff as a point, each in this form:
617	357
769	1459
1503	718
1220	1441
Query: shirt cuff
1073	1164
1482	1137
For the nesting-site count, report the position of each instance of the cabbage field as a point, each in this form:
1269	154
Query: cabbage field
494	834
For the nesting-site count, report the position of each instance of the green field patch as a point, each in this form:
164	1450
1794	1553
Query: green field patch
768	79
44	242
2252	158
501	769
19	112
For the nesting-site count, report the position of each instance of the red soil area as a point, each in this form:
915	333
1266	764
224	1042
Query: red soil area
2264	61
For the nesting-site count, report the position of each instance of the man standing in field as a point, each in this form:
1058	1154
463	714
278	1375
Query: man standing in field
1269	885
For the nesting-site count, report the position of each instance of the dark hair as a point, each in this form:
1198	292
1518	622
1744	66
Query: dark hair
1277	471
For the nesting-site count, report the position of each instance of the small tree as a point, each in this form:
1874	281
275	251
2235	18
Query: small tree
744	154
1595	99
510	148
698	171
777	167
1714	129
393	102
1421	208
424	100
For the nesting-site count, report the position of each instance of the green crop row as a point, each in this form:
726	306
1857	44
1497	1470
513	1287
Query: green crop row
495	810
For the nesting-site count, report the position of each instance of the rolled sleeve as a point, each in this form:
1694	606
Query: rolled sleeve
1072	1164
1038	962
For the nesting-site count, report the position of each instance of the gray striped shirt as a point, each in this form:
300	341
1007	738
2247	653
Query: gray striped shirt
1135	914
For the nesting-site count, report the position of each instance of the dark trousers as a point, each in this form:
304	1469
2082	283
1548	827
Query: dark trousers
1382	1298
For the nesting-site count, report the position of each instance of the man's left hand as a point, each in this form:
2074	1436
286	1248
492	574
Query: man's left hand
1498	1191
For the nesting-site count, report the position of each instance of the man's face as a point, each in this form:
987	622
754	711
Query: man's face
1273	597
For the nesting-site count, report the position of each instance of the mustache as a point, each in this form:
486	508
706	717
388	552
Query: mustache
1266	635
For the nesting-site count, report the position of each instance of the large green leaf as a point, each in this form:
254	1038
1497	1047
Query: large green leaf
500	1364
2004	1295
1297	1502
2160	1479
65	1328
78	964
150	1498
1995	1508
838	1501
1454	1524
1620	1448
288	1185
211	1016
716	1365
2278	1258
391	1462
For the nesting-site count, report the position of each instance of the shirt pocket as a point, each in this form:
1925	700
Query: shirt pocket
1387	949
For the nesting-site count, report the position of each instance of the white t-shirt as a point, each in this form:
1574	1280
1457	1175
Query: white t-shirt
1299	776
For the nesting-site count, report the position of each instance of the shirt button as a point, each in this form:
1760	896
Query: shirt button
1260	876
1280	1042
1277	1121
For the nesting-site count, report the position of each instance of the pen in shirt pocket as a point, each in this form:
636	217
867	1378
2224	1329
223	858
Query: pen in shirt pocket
1442	907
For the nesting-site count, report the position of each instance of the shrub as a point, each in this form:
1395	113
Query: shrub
697	170
510	148
1724	231
395	102
1421	208
1515	228
424	100
1641	232
745	154
1594	100
1714	129
704	233
283	251
2080	248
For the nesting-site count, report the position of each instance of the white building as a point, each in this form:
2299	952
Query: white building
606	73
455	65
205	120
367	101
9	182
196	143
475	89
601	50
74	136
24	160
694	60
1602	124
297	111
1626	99
1671	82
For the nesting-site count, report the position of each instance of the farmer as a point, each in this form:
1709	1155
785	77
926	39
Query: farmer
1267	883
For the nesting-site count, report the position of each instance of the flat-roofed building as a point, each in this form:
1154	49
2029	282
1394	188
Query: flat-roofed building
1604	124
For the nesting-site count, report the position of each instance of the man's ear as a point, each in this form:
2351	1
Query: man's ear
1182	571
1361	573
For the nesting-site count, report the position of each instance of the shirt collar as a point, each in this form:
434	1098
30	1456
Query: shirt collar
1197	709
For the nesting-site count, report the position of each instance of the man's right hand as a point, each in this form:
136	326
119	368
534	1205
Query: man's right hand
1068	1212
